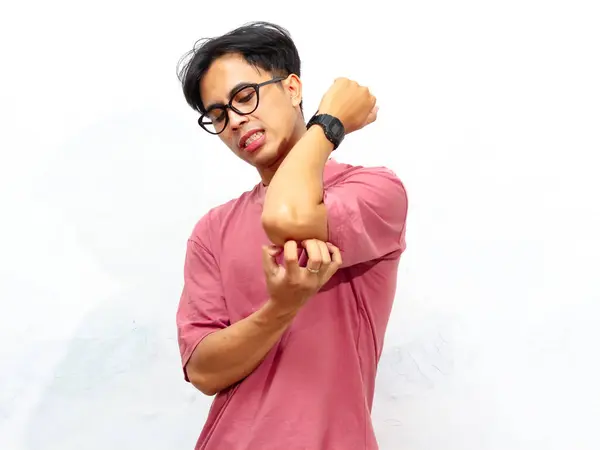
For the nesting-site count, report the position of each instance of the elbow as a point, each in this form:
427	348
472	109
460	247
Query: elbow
203	383
276	228
287	226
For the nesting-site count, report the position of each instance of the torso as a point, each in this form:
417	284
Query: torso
314	390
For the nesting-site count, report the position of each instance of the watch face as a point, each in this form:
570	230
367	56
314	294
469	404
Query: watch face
334	129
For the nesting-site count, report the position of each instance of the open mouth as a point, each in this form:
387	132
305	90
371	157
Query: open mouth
252	138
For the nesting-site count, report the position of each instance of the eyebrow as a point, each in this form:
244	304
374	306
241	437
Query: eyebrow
231	92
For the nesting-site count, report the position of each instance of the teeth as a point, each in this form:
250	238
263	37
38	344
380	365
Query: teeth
252	138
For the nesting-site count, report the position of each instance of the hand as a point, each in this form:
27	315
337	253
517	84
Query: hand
290	285
350	102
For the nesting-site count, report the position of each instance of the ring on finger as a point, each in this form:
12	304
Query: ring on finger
312	270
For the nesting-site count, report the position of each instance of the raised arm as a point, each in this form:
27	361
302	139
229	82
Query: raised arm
294	208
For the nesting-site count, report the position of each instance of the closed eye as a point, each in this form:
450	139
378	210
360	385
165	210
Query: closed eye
217	115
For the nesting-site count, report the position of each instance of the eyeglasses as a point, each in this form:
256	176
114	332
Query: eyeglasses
244	101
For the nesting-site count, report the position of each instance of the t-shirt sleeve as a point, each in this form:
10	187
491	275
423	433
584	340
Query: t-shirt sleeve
202	309
366	213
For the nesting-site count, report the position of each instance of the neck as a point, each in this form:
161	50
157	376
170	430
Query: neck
267	174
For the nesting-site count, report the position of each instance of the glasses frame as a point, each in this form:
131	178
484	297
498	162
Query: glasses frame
229	105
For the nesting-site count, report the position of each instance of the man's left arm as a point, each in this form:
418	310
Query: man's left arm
363	214
294	208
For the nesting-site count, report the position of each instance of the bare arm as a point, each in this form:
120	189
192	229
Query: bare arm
231	354
293	208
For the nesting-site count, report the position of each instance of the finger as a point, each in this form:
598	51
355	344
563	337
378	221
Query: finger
314	255
336	255
374	107
325	255
336	260
290	258
372	115
269	264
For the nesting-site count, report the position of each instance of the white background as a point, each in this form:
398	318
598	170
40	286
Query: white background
489	113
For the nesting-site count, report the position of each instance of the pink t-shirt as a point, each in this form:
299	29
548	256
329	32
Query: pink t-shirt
314	390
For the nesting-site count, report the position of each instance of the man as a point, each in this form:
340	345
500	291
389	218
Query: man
290	347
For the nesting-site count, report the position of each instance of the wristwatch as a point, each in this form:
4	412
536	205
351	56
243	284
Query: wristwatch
332	126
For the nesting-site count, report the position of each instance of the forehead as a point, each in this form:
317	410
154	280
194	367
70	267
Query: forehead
223	74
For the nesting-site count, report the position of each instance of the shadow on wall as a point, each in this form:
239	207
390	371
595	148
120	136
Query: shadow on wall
410	371
120	384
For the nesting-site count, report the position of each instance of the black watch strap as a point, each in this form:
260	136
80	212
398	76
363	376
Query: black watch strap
332	126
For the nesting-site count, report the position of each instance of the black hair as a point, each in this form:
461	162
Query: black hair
263	45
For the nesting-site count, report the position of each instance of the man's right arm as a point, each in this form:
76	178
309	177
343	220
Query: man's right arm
216	353
227	356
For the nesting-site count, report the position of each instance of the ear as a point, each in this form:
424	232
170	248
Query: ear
293	87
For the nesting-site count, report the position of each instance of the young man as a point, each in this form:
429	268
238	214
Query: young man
290	347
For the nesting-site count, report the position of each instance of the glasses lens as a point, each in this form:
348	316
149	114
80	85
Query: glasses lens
214	121
245	101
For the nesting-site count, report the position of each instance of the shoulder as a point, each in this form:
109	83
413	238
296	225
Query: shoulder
339	175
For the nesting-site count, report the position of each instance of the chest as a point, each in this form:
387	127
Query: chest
241	267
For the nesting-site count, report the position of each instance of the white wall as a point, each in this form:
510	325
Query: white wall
489	113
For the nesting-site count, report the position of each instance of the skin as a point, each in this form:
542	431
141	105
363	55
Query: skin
292	160
278	112
291	157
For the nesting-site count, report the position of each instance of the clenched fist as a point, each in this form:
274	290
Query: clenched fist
351	103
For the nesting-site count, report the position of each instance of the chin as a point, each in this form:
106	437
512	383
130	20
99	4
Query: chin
272	157
263	153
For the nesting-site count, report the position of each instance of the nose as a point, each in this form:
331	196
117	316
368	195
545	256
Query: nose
236	120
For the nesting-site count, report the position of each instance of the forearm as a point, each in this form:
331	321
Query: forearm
231	354
296	190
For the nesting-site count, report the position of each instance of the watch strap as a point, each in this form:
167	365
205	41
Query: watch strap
332	127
